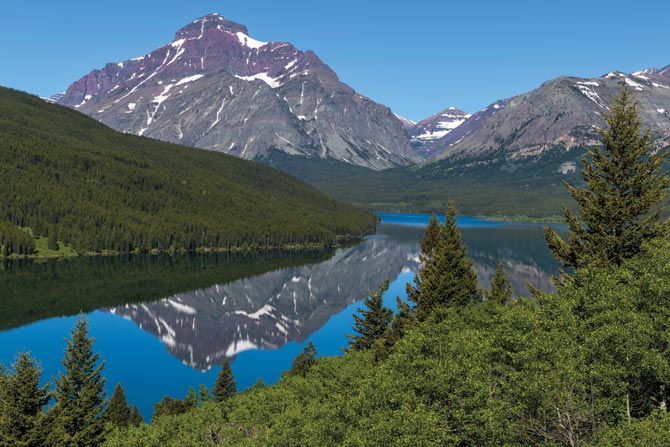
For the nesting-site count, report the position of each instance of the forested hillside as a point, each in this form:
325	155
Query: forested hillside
67	176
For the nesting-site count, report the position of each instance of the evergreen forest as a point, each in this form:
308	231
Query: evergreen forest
66	177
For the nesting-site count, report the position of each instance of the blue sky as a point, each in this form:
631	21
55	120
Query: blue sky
416	57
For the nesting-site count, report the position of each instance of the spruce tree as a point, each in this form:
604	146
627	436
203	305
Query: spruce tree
373	322
22	401
448	278
136	418
619	208
79	395
304	361
225	385
430	238
501	287
203	394
118	411
52	242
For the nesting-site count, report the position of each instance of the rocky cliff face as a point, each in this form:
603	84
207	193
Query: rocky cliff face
215	87
561	116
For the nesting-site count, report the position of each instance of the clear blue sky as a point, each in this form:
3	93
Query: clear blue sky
416	57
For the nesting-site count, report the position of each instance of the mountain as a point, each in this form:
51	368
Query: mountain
217	88
98	189
554	123
436	127
665	71
465	125
508	160
54	98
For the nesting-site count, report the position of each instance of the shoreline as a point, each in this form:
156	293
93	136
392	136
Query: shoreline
341	241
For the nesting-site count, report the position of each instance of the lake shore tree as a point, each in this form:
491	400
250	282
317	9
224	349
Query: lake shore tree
225	385
372	322
620	206
79	395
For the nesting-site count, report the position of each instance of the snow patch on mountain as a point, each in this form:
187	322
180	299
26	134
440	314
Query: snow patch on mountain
585	88
438	126
189	79
634	84
249	41
272	82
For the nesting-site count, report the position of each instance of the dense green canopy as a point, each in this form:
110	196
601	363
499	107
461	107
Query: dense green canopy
65	173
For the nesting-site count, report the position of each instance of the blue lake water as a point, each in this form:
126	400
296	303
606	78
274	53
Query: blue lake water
164	324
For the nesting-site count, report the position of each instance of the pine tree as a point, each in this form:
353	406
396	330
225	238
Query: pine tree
136	418
501	287
448	278
22	401
304	361
373	322
429	242
620	206
79	394
203	394
430	238
52	243
118	411
225	385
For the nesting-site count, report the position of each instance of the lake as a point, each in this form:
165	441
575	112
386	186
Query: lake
165	323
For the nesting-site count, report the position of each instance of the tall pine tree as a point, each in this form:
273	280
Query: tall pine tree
79	394
372	323
620	206
448	277
225	385
501	288
22	401
118	411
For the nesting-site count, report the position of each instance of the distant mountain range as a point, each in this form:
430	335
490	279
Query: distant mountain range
215	87
561	115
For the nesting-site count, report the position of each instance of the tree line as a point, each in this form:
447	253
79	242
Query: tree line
15	240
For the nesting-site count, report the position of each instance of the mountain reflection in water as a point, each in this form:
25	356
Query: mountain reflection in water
266	311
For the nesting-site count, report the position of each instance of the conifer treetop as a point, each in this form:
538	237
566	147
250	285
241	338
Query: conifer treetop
620	206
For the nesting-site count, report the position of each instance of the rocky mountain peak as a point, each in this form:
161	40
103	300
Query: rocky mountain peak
207	24
216	87
436	127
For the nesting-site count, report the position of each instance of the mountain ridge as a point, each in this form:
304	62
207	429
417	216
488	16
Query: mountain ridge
217	88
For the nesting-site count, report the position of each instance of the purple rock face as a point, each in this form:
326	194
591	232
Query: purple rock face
217	88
